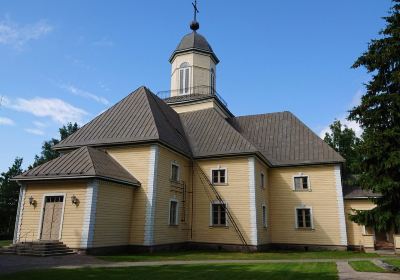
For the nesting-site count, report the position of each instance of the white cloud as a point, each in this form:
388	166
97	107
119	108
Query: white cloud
83	93
57	109
6	121
17	36
39	124
34	131
343	118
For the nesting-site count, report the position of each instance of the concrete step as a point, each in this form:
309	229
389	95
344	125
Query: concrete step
38	248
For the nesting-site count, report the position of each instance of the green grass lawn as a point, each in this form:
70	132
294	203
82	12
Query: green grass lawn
394	262
207	255
4	243
366	266
287	271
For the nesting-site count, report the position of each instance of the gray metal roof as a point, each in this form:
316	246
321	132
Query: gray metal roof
284	140
85	162
209	134
355	192
139	117
194	42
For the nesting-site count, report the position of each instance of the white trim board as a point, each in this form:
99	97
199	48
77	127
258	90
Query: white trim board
252	201
90	214
151	196
20	210
339	195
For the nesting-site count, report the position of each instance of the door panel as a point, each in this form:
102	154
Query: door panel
52	215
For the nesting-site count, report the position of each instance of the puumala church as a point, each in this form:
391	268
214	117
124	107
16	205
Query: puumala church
179	170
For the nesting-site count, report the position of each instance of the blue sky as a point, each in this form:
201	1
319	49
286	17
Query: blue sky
69	60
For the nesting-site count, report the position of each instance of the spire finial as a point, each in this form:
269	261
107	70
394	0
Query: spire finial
194	25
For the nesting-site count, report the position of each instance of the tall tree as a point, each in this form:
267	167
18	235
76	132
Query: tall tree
9	192
48	153
379	116
344	141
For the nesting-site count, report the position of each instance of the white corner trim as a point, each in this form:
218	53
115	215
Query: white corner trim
339	195
20	211
151	196
90	214
252	202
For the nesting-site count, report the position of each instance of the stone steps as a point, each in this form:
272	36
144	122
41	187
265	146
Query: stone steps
38	248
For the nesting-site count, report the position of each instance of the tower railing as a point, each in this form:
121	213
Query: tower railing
194	92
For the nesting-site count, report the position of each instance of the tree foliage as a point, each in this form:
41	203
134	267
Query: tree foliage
379	116
9	193
48	153
344	141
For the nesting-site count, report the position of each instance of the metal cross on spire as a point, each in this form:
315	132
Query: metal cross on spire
195	10
195	25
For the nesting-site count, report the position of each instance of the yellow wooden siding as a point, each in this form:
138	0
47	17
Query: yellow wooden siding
165	191
322	198
354	231
113	214
263	233
235	194
136	161
73	215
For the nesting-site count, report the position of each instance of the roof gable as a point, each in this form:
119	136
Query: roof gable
284	140
85	162
139	117
209	134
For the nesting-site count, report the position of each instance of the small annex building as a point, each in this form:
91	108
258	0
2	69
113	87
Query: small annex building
177	169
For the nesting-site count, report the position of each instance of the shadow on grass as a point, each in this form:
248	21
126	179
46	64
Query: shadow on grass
295	271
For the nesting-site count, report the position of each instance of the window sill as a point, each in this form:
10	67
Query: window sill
307	190
217	226
175	182
305	229
173	226
220	184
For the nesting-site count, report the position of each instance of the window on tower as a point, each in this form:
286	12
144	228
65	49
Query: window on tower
184	78
212	81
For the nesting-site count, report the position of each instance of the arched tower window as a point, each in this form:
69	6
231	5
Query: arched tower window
212	81
184	75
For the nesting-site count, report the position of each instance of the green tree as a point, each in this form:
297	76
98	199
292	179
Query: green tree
9	193
47	152
344	141
379	116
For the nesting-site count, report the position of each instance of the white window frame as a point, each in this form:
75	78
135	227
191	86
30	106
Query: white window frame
264	215
183	68
216	202
179	171
226	176
308	183
311	217
176	212
42	212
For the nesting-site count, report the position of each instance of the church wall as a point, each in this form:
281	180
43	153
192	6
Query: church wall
322	198
355	234
262	198
137	161
235	193
71	231
164	233
113	214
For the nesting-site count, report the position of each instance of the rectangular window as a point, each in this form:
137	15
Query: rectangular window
301	183
264	215
173	212
262	179
175	172
187	80
218	176
303	217
218	214
181	81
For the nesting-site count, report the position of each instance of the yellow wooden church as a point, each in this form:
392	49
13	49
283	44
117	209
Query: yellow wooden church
179	170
